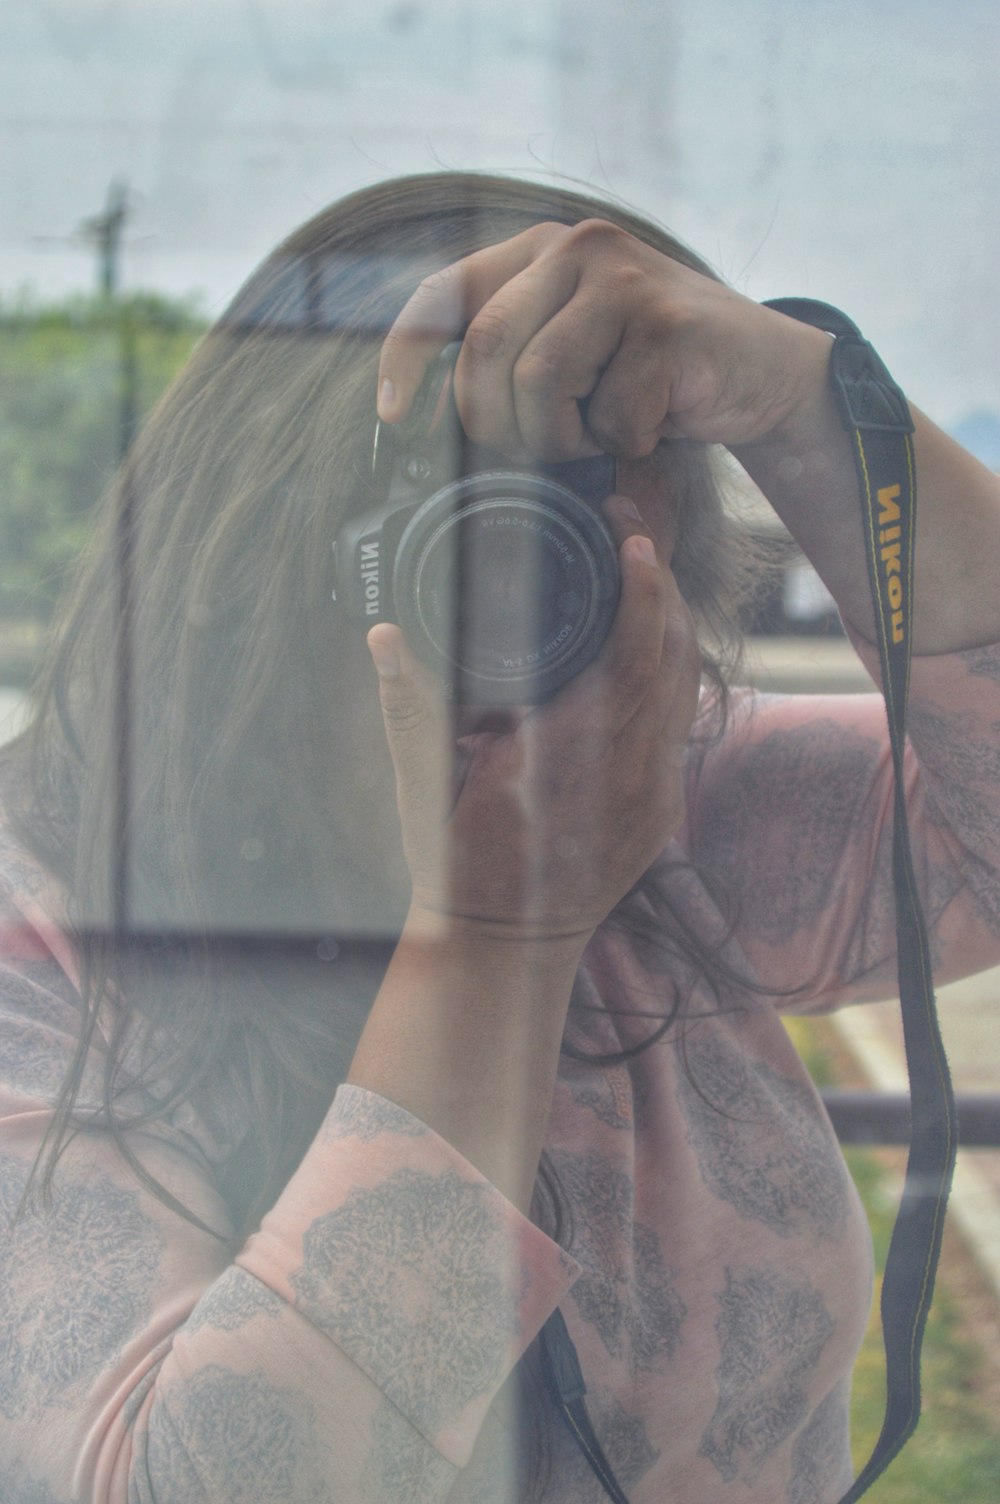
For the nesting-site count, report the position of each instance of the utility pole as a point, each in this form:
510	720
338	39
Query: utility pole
105	231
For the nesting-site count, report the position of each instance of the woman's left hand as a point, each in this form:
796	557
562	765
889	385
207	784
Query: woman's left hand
582	339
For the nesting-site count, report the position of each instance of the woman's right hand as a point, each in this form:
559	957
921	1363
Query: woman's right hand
535	831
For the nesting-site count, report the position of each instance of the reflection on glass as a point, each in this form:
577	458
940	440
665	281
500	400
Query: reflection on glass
418	999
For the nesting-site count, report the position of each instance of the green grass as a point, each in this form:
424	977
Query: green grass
954	1458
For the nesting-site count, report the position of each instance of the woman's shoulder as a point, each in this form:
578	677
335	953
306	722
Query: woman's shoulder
21	872
43	1010
39	1000
34	943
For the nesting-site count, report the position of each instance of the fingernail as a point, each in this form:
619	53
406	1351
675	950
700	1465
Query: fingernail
385	660
644	548
386	398
630	509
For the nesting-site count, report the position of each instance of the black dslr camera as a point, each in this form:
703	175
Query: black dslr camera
504	579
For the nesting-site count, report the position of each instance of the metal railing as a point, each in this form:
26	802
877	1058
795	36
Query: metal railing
878	1117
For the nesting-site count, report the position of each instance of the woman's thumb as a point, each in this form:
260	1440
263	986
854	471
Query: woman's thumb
413	718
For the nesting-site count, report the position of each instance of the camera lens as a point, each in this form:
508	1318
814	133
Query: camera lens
506	584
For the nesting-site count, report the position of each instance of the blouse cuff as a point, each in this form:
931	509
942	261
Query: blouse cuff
414	1264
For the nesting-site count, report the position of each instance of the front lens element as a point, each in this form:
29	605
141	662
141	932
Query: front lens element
507	584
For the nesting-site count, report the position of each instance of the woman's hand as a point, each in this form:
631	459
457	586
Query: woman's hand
579	340
553	817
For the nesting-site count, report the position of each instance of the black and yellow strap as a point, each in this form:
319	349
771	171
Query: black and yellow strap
874	412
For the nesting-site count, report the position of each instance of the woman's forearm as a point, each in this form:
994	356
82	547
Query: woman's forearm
465	1034
516	858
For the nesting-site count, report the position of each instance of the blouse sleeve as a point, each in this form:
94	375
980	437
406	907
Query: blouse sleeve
349	1349
790	818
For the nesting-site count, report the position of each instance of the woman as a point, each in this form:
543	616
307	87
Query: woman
353	1092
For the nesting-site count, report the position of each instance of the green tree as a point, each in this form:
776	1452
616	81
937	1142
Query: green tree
70	375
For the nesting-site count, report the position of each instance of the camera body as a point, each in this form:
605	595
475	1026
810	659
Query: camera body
504	578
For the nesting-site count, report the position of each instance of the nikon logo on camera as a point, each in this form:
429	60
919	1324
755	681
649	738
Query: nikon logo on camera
370	577
890	540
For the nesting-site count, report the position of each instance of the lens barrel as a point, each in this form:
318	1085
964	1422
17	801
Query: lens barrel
506	584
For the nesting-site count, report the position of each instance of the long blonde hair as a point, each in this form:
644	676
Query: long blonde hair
234	754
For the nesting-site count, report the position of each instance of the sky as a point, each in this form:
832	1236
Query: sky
842	149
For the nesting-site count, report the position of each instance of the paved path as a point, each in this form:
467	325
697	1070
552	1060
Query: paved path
968	1014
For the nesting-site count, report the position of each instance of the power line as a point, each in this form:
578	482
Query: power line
176	126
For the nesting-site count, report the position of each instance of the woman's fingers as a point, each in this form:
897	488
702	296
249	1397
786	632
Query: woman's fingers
555	374
543	317
650	666
495	363
443	308
627	413
419	739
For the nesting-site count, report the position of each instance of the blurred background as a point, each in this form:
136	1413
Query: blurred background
151	151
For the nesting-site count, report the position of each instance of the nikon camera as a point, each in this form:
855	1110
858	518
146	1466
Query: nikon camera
504	578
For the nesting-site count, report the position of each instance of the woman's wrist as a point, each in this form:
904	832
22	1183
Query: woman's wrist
465	1034
509	945
808	414
804	465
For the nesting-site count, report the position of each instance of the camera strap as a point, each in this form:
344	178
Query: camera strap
565	1379
874	412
